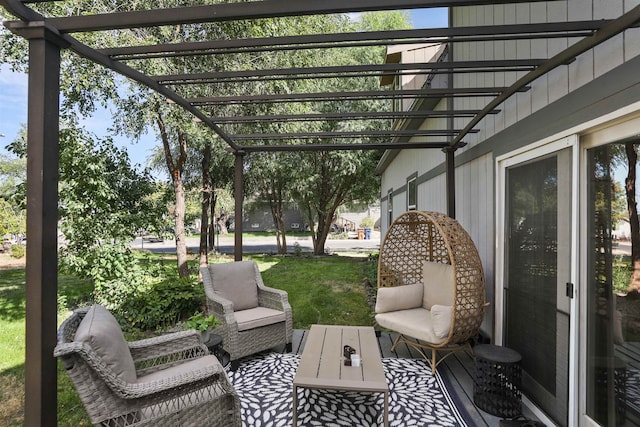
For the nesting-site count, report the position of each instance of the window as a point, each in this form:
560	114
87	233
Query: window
412	193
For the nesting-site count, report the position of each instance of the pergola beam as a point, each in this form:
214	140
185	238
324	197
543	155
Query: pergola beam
356	70
344	147
336	135
368	115
375	38
245	10
349	96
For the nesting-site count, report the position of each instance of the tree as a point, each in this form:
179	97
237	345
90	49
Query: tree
320	182
12	195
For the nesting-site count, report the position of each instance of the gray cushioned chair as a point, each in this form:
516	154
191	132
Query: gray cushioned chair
254	317
163	381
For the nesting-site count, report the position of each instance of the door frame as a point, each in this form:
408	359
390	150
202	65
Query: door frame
504	162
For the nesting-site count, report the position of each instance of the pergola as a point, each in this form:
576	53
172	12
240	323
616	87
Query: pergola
48	35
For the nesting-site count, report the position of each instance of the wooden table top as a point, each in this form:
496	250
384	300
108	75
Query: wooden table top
322	362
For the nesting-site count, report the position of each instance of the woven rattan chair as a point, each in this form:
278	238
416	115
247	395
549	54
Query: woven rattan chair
254	317
431	286
165	381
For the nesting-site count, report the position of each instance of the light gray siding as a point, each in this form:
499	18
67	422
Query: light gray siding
598	82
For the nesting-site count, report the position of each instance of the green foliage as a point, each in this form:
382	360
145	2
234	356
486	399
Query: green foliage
17	251
201	323
621	274
160	304
102	197
367	222
297	249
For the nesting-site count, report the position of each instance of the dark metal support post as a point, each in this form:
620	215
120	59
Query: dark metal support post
451	182
451	152
42	225
239	198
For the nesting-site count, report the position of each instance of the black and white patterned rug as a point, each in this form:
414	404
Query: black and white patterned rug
416	398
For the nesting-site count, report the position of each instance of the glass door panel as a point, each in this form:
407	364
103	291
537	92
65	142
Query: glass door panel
613	302
537	268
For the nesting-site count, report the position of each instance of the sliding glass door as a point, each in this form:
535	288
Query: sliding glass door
537	276
613	284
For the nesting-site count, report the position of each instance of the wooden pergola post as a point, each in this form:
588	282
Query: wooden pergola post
238	192
42	224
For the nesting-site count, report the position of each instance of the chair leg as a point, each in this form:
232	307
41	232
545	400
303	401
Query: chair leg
235	364
288	347
434	354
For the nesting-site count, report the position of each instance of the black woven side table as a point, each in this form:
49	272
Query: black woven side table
496	385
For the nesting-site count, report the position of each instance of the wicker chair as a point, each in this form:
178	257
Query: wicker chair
164	381
254	317
431	286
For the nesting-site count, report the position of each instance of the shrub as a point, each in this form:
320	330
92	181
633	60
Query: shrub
17	251
367	222
161	304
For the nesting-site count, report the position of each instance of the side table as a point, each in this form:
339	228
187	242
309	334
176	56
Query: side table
496	385
214	344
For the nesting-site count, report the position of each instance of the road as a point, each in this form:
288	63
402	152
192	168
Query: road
265	244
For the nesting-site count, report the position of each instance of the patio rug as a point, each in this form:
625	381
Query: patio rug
416	398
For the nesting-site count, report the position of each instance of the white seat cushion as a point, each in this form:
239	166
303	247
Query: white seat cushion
257	317
415	323
399	298
441	316
439	284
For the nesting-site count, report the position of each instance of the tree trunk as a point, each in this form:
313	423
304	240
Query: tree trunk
212	225
175	171
276	206
632	207
181	241
206	202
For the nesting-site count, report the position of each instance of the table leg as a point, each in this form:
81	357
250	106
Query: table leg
295	406
386	409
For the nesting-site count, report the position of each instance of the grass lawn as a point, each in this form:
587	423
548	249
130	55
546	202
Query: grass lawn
326	290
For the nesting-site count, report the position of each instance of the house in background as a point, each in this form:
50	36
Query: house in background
535	190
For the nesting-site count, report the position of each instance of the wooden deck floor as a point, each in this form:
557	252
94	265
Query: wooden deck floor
458	366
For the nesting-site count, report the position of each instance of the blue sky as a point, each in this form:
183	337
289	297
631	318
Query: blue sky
13	99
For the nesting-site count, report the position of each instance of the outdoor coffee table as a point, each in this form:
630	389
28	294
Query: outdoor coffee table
322	367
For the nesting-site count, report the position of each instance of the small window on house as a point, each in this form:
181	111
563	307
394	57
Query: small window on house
412	194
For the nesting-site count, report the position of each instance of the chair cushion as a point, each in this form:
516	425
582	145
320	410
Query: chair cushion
101	331
236	281
399	298
257	317
415	323
204	362
438	284
441	319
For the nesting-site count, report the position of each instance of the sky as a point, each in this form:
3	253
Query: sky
13	100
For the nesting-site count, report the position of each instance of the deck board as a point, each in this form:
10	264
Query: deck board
459	367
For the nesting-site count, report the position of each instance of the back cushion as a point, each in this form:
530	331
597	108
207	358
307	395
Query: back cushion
236	281
102	332
438	284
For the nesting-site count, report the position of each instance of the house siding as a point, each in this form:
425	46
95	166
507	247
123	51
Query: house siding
598	82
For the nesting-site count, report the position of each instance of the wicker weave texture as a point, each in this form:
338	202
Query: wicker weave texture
417	236
199	397
244	343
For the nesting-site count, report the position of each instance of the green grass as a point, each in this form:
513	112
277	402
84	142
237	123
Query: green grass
327	290
12	350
